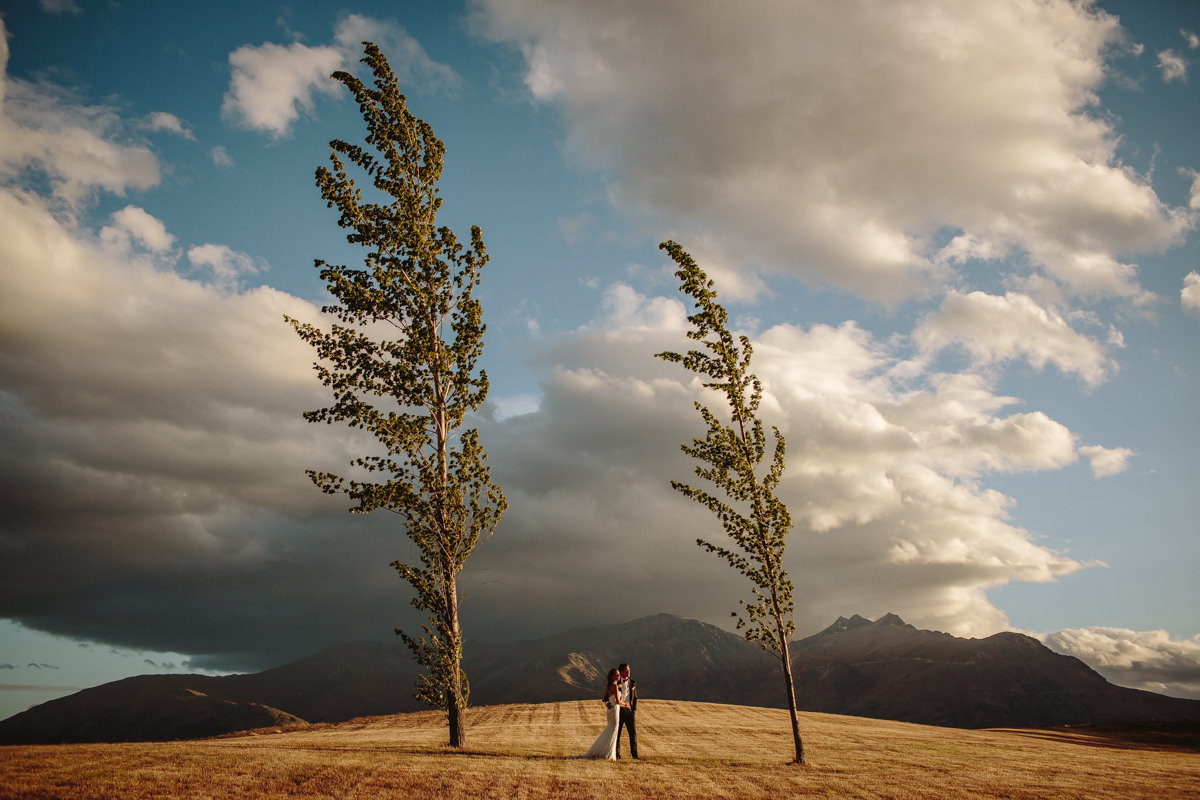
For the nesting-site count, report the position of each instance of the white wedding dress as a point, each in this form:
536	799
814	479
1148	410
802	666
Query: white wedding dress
605	746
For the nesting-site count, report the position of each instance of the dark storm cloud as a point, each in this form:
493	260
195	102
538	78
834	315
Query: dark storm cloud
152	473
166	508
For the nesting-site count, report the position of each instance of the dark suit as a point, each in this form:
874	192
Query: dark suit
628	717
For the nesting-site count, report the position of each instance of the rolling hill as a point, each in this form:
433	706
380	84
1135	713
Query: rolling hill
688	750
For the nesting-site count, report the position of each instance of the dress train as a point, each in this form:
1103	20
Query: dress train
605	746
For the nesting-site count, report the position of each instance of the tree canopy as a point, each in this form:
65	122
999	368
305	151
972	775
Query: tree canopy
401	362
730	458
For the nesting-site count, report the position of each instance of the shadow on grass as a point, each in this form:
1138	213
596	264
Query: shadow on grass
1180	736
673	760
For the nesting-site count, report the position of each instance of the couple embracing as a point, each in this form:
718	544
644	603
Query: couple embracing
620	700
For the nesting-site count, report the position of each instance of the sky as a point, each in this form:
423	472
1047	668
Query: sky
962	237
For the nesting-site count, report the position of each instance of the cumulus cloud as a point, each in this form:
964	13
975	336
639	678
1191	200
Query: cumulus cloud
884	480
1173	66
60	6
412	65
79	148
760	126
1194	192
1107	460
162	121
133	225
165	428
1192	40
226	265
515	405
1149	660
156	438
1189	297
166	355
220	156
271	85
995	329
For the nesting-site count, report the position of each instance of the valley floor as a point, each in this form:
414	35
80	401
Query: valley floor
688	750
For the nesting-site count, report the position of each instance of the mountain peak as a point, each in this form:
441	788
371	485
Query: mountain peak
842	624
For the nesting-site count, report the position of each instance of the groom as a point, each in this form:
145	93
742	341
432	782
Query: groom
627	693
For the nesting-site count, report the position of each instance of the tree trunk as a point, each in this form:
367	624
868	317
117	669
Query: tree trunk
458	733
454	693
785	657
791	698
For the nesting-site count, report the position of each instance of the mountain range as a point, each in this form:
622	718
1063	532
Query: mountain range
885	669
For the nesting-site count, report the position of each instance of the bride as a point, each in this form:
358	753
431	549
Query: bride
605	745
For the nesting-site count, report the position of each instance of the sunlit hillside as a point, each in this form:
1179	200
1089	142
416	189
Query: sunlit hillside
696	750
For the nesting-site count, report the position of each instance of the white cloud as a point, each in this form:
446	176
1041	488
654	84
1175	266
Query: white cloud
723	263
993	329
1173	66
883	479
220	156
132	224
572	228
414	69
271	84
161	350
1189	297
761	129
76	146
60	6
1149	660
227	265
162	121
515	405
1107	461
1192	40
1194	192
1093	274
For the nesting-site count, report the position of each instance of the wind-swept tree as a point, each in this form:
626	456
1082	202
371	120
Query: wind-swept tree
731	458
401	362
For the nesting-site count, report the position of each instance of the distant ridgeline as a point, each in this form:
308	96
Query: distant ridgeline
885	669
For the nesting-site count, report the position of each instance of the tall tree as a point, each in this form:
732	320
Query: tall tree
401	362
730	458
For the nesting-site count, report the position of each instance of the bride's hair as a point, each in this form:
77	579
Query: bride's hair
612	673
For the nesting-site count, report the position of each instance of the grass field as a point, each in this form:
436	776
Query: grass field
688	750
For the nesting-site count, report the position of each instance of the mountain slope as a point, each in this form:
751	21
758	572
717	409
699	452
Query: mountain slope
672	658
885	669
890	670
144	708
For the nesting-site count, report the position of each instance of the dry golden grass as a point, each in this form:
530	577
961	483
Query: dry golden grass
697	750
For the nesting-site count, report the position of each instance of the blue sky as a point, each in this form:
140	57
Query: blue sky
962	236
